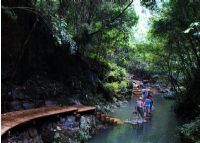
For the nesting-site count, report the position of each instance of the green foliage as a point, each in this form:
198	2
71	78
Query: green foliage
83	136
9	13
175	48
193	30
101	29
116	79
116	73
174	39
148	3
58	25
114	87
107	20
111	36
123	86
61	35
117	87
191	131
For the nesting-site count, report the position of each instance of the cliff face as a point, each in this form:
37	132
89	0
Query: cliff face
36	72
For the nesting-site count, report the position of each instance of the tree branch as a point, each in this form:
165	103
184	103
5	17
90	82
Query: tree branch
112	20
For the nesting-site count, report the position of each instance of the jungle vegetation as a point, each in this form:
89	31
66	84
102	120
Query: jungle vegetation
86	47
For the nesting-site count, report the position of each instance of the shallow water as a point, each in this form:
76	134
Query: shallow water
162	128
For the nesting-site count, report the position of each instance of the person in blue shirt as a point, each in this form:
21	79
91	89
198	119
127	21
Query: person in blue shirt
148	104
151	98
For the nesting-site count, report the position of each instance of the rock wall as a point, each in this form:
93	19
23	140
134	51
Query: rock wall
70	129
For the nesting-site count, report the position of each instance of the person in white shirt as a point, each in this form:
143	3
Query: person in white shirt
139	107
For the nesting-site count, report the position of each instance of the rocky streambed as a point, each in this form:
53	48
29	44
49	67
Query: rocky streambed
70	128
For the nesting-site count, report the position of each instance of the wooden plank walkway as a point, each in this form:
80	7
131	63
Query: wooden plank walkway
82	108
12	119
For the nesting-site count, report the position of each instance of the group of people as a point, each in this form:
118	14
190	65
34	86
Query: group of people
144	106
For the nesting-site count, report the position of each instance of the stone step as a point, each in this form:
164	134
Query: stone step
104	118
137	91
107	119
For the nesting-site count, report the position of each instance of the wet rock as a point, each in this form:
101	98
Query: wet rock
125	101
57	135
73	130
100	127
87	124
58	128
118	104
98	107
55	131
71	118
114	99
62	120
70	122
114	106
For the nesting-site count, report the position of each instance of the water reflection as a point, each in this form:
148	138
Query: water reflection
161	128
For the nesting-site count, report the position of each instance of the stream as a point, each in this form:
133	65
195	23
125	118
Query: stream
161	128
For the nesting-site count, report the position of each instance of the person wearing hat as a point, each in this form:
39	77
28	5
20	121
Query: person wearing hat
139	107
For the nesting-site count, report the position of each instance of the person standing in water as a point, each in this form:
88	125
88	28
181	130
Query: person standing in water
148	104
151	98
139	107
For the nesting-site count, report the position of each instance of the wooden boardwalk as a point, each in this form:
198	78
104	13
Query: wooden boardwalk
12	119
